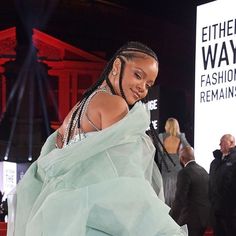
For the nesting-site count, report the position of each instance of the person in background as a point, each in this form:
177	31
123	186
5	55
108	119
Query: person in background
93	176
191	205
172	140
223	187
1	196
1	207
3	210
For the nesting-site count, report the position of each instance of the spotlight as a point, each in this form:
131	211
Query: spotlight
6	158
30	158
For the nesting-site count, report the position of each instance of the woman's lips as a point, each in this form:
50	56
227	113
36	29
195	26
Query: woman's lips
136	94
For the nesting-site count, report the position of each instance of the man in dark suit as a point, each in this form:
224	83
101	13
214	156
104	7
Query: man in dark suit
222	190
191	205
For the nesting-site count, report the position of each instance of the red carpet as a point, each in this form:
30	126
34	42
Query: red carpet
3	229
209	232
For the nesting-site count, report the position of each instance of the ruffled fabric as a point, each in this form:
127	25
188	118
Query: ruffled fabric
100	185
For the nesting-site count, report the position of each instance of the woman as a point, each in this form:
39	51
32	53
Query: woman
96	181
172	140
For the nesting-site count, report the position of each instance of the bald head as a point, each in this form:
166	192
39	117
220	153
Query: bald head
186	154
227	142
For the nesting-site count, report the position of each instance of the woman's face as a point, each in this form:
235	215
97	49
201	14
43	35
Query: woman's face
138	76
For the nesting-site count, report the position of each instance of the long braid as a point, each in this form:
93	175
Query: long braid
103	77
122	67
72	118
70	125
128	51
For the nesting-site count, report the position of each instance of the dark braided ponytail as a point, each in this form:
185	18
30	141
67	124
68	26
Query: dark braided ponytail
128	51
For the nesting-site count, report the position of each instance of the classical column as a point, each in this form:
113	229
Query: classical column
2	94
74	87
64	93
64	101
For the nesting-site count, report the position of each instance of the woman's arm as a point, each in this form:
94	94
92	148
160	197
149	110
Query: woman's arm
112	111
103	110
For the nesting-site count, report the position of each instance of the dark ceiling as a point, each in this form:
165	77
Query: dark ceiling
96	25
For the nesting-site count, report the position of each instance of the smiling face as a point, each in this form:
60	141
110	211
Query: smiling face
138	76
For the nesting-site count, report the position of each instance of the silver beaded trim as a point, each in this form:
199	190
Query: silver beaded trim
78	106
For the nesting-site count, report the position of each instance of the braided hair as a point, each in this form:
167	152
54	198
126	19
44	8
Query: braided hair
128	51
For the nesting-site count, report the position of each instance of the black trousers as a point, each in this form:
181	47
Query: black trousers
225	225
195	231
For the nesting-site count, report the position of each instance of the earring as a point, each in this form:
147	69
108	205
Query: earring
113	73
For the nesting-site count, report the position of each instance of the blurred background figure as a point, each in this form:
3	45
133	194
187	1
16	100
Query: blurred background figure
173	140
3	207
191	205
223	187
3	211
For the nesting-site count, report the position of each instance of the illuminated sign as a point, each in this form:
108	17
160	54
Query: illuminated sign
8	176
215	77
153	106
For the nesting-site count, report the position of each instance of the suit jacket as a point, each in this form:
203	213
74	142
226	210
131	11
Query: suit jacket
222	190
191	205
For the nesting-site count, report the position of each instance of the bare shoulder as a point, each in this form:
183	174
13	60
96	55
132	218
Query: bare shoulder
110	102
111	108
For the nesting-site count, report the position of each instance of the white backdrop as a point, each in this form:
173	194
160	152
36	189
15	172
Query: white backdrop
215	77
7	177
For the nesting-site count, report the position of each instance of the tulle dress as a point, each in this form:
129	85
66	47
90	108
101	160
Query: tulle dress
100	185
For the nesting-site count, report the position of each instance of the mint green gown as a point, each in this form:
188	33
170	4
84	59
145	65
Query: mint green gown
98	186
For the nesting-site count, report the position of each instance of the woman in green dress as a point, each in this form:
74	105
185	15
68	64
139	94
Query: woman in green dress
93	176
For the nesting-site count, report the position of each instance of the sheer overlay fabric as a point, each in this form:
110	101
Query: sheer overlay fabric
101	185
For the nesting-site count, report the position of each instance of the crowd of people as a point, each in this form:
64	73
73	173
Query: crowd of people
196	198
96	174
199	199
